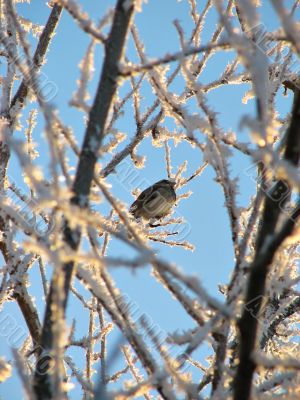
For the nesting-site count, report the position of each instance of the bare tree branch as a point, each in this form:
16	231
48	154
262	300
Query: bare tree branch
21	294
89	153
291	309
266	246
40	53
128	70
77	220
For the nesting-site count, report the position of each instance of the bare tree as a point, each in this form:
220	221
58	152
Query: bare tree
51	220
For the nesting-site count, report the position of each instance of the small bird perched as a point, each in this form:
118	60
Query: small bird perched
156	201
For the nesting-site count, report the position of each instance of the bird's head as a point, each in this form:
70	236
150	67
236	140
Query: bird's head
167	182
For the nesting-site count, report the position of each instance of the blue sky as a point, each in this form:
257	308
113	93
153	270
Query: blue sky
212	261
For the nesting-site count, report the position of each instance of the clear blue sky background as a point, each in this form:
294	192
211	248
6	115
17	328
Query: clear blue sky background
212	261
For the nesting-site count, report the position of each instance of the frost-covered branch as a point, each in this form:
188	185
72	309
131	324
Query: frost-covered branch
38	57
81	188
179	116
266	245
127	70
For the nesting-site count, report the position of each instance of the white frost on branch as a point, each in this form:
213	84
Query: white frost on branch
86	67
5	370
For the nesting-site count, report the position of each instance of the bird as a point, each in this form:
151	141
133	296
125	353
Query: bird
156	201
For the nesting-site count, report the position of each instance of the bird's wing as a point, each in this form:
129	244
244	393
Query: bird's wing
149	194
146	193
